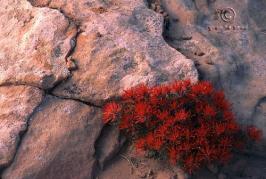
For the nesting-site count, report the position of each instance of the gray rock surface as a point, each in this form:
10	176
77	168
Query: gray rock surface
230	54
17	104
59	142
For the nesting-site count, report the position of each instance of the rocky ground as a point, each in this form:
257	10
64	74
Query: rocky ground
129	165
61	59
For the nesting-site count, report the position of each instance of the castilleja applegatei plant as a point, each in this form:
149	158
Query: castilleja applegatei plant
190	124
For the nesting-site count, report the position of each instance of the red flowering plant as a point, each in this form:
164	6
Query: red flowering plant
190	124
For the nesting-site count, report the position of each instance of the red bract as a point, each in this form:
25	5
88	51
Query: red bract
140	144
110	112
203	88
254	133
190	123
181	115
173	155
209	111
142	109
128	94
162	115
220	128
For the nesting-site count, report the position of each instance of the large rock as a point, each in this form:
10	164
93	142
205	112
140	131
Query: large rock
231	54
34	44
59	142
17	104
121	46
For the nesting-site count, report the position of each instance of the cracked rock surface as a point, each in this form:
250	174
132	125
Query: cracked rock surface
34	43
17	103
60	60
121	45
59	142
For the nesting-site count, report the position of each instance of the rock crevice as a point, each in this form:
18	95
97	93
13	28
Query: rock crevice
82	53
18	104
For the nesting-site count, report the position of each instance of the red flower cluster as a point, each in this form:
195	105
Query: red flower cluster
190	123
254	133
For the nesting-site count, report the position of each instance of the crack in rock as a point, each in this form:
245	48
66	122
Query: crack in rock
14	120
73	41
59	141
21	136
